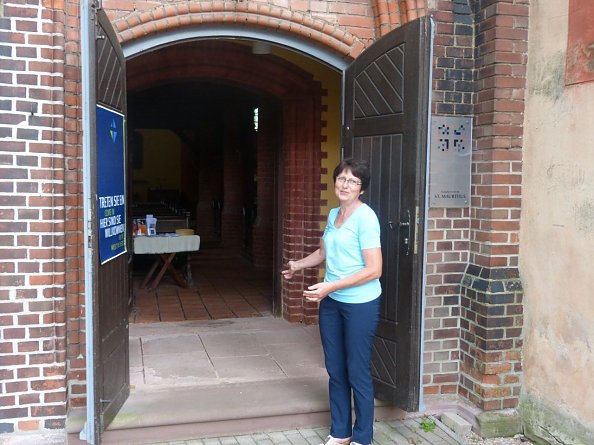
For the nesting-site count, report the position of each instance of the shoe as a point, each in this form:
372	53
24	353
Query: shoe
334	441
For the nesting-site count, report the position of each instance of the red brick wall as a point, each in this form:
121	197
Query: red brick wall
473	316
33	172
492	296
479	70
448	229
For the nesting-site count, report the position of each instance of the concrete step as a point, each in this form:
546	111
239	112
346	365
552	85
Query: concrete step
234	408
220	410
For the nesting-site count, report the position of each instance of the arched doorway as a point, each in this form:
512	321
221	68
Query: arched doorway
247	130
301	164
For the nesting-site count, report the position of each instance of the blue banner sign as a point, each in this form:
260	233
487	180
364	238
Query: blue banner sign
111	184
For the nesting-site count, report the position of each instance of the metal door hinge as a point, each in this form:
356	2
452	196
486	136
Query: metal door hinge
416	229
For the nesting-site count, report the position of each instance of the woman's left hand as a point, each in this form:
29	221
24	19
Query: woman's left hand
318	291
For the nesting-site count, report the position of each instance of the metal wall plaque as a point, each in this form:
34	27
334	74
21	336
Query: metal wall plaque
450	158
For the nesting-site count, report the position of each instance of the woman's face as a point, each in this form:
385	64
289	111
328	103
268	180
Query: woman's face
347	187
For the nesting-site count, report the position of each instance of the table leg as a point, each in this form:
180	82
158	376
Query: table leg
166	259
150	272
175	274
189	278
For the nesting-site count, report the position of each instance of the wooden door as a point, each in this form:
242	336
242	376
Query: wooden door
111	288
386	123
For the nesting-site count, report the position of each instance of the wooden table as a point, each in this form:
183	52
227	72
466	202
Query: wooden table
164	247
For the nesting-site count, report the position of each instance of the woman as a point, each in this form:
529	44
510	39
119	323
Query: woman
349	302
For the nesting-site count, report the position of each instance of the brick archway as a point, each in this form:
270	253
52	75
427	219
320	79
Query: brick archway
348	37
273	19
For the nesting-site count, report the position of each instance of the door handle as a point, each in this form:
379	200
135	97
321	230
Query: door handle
405	230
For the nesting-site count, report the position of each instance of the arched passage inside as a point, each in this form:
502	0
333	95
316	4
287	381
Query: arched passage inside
237	139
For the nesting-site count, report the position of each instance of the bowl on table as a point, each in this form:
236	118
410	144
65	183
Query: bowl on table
184	231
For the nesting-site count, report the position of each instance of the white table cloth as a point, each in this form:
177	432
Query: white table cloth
165	247
166	243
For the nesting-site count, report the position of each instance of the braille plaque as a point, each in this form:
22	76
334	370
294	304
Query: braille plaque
450	157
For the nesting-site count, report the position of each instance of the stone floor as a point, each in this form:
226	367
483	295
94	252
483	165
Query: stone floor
217	352
223	285
194	382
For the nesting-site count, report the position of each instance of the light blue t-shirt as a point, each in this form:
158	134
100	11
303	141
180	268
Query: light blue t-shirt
344	254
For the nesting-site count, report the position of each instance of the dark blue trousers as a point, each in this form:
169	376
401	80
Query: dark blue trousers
347	331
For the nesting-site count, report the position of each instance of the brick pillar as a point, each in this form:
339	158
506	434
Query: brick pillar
301	198
267	144
491	317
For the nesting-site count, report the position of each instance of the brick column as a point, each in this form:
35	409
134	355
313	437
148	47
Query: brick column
301	198
492	292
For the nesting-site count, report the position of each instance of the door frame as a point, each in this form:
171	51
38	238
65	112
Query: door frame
422	281
89	432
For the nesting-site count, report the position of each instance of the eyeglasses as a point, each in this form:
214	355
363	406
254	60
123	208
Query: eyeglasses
351	182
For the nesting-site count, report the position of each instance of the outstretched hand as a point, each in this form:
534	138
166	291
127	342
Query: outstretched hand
290	270
318	291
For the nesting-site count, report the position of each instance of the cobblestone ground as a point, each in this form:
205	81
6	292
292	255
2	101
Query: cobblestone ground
473	439
400	432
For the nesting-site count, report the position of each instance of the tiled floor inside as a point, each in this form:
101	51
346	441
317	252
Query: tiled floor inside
224	285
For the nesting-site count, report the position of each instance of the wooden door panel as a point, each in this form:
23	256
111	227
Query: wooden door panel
112	368
378	88
385	122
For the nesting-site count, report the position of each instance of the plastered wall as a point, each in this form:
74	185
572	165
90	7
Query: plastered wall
557	237
161	163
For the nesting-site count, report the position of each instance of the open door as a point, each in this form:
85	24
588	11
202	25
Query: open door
108	374
386	123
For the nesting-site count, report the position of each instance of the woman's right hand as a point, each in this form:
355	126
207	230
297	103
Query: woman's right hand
290	270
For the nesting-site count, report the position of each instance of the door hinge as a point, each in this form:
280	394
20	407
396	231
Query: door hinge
416	229
90	233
